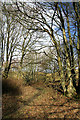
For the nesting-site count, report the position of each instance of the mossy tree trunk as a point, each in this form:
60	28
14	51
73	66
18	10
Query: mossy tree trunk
77	18
62	78
70	89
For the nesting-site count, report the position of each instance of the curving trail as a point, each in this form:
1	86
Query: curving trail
38	101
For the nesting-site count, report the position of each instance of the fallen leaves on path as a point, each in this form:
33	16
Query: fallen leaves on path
38	102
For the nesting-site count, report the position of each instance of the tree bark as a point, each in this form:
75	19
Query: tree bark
77	14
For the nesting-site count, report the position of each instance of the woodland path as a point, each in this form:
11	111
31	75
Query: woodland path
40	102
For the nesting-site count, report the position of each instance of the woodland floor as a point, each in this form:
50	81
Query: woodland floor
40	102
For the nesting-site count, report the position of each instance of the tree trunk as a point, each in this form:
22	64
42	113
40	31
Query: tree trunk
72	55
77	14
7	68
62	78
71	90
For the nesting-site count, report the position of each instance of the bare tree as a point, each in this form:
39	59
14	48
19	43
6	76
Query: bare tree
60	21
10	40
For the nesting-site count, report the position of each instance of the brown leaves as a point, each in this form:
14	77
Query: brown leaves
39	102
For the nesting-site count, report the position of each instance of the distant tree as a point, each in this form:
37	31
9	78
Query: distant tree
10	39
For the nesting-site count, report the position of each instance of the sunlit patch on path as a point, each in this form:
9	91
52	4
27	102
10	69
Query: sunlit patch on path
44	102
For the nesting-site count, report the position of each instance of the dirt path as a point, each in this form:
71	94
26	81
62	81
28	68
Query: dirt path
39	101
